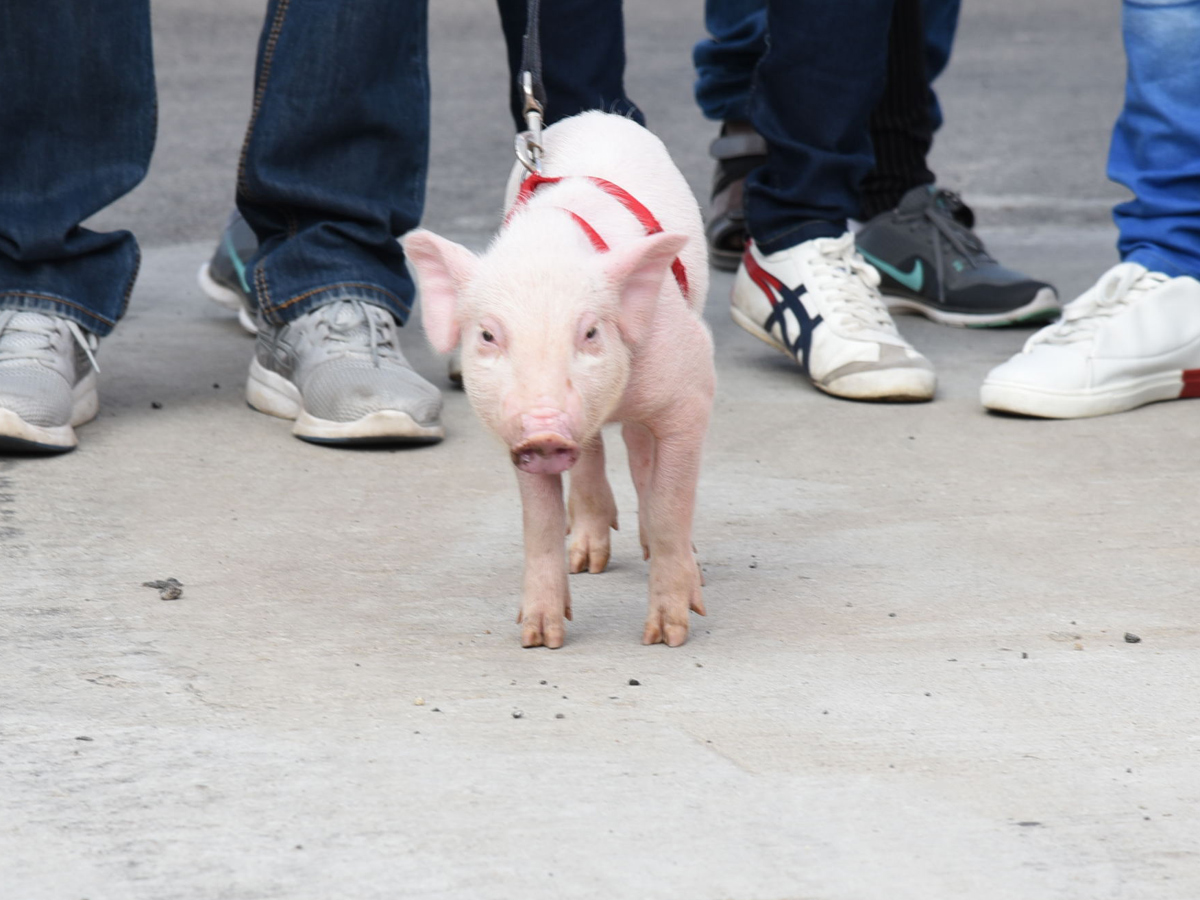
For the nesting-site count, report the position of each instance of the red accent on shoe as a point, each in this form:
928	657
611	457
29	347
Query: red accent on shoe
1191	384
626	199
760	276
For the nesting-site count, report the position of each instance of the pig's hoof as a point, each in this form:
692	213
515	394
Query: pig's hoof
542	630
590	549
672	634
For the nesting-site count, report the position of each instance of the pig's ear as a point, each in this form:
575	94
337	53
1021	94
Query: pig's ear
443	269
637	272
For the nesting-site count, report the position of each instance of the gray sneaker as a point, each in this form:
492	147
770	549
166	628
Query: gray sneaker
338	371
47	381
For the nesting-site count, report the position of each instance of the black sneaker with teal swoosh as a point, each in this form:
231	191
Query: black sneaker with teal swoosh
932	263
223	278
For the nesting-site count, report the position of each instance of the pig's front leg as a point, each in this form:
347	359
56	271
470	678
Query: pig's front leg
545	598
674	577
591	511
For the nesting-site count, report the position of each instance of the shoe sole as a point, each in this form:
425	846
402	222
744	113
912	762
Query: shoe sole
19	436
271	393
1023	400
226	297
1044	305
907	385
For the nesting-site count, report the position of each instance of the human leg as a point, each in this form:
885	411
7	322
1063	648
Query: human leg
1134	337
583	57
801	286
332	172
84	114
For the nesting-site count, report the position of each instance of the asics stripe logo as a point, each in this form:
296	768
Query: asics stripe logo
911	280
784	299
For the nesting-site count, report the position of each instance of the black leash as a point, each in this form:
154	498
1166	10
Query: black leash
529	83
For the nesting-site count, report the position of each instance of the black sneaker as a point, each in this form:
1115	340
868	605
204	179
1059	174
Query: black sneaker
932	263
223	278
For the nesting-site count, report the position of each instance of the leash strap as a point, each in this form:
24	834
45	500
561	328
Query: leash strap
533	90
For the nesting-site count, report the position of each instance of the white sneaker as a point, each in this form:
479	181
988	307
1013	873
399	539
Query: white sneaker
339	373
819	302
47	381
1132	338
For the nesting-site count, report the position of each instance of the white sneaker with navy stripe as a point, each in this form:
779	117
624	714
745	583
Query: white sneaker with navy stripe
819	303
1132	338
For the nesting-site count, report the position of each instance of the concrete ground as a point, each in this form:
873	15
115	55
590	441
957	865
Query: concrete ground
913	682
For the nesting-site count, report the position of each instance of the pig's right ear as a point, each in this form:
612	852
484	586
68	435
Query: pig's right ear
443	269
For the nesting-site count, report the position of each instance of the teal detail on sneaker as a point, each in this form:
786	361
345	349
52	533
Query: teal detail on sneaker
238	266
911	280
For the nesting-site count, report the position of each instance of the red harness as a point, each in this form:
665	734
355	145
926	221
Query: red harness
643	215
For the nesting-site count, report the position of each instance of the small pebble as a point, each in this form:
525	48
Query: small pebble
559	716
517	714
891	615
420	701
216	387
154	404
634	682
541	682
1132	638
435	709
171	589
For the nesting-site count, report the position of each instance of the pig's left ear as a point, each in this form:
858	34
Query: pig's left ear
637	272
443	268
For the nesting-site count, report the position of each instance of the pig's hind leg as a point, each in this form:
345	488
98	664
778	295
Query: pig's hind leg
546	598
591	511
639	442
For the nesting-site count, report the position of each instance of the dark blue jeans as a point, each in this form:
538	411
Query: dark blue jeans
810	91
333	168
583	57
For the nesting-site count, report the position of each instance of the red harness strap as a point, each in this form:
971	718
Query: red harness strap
640	212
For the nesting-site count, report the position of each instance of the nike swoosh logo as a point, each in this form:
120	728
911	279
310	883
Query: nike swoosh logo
911	280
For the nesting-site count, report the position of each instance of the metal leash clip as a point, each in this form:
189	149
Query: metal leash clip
529	142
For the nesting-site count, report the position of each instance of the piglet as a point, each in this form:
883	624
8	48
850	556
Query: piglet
587	309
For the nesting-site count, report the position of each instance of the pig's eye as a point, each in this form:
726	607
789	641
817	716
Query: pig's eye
488	337
591	334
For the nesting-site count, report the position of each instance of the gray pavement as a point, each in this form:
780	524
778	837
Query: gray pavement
913	680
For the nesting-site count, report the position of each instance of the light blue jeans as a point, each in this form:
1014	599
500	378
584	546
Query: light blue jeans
1155	148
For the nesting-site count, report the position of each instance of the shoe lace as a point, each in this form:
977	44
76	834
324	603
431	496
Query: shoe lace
942	216
1119	287
849	284
345	323
43	336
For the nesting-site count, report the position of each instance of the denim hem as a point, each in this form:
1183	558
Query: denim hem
59	306
297	306
798	234
1157	261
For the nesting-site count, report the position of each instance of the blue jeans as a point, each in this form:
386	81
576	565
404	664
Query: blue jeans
808	74
332	170
583	57
725	61
1155	149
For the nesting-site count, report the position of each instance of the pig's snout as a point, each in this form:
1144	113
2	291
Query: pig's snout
545	454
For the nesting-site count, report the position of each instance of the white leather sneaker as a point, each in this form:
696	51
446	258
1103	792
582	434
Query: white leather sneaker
819	302
1132	338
